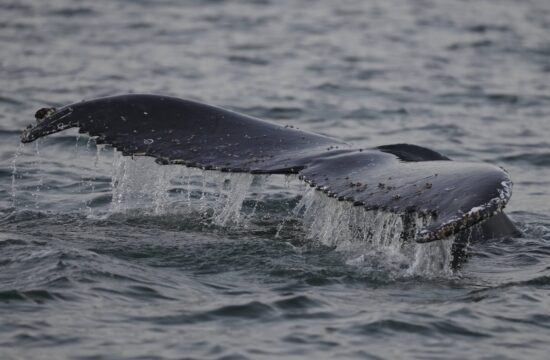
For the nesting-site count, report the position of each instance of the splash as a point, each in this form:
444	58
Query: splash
233	200
432	259
38	163
135	184
371	239
88	183
160	190
280	205
14	174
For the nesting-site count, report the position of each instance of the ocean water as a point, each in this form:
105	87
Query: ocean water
105	257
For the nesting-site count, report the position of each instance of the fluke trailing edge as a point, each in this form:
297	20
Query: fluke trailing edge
400	178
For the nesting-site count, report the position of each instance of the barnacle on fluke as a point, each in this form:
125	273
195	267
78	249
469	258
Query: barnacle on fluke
410	178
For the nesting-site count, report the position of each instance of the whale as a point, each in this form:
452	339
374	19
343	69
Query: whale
457	197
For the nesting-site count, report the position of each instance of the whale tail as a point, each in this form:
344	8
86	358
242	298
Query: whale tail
400	178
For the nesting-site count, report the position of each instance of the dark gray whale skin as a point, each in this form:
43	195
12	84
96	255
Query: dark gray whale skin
401	178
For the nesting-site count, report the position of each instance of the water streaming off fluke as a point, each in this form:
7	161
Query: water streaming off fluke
365	237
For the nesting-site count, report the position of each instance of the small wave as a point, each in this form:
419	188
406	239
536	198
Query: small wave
474	44
274	112
297	303
389	325
133	292
446	130
541	159
15	217
253	310
477	97
248	60
40	341
297	307
73	12
429	329
10	133
492	292
542	281
36	296
10	101
485	28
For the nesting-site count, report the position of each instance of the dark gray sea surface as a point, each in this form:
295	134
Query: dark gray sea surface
104	257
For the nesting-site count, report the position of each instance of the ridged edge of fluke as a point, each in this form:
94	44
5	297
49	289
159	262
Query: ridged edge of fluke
474	216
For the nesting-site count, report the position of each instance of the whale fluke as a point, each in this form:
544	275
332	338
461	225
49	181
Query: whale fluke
398	178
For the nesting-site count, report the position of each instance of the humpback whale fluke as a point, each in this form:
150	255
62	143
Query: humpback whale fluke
399	178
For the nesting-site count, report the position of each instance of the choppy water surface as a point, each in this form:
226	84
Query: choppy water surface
110	258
